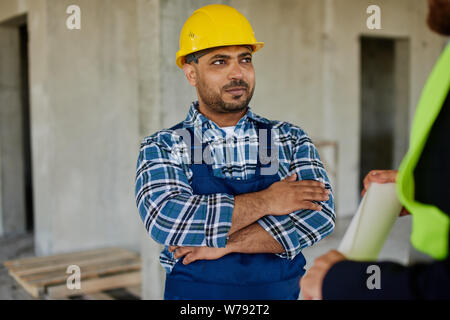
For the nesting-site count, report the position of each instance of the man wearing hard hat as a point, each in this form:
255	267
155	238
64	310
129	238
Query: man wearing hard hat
234	220
422	187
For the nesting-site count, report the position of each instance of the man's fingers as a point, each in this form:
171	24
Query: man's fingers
189	258
311	183
314	189
382	176
327	260
366	183
307	296
310	284
292	177
379	176
173	248
310	205
372	176
316	196
182	251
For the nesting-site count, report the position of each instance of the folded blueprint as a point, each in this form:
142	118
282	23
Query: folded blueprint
372	223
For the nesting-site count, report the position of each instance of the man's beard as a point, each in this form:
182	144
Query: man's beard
439	16
215	102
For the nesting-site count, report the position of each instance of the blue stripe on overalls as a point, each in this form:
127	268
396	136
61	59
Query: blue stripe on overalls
236	276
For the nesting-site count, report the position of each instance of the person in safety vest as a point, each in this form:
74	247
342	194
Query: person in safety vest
423	188
232	196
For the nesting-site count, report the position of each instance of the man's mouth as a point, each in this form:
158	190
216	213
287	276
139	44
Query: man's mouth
236	91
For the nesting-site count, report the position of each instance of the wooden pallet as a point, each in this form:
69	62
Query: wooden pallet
100	270
126	293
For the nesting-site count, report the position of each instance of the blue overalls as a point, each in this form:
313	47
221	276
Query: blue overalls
236	276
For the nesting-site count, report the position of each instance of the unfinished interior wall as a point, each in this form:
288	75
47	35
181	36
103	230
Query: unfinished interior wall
95	125
85	127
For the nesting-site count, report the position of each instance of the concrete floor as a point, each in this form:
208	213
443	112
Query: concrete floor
14	247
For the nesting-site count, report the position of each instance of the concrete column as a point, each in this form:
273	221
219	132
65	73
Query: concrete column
171	98
150	120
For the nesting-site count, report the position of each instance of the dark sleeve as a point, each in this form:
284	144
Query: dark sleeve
349	280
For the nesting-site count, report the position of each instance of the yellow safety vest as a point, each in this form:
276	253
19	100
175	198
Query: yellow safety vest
430	226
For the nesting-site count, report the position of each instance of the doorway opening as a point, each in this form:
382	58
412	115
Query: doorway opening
16	187
384	117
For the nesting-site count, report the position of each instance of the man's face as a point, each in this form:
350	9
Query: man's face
225	78
439	16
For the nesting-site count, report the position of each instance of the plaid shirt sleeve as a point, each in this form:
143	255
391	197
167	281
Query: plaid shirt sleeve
303	228
171	213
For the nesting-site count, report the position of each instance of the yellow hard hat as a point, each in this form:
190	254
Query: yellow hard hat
215	25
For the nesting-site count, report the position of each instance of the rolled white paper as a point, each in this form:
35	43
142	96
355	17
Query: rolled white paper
372	223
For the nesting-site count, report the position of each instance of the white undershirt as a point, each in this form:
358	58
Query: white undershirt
229	131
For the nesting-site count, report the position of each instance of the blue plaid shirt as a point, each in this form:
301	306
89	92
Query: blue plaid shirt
174	216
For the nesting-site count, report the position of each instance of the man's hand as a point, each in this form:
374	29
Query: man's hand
379	176
192	254
289	195
382	176
311	283
282	197
251	239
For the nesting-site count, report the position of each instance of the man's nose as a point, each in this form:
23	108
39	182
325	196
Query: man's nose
235	71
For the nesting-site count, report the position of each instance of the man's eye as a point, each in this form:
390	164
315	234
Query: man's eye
221	61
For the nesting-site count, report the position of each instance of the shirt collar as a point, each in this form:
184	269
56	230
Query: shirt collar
195	118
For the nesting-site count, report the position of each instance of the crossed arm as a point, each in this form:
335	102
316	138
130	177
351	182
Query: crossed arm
246	235
282	219
251	239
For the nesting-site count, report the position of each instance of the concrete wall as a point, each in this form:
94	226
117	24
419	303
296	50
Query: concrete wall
12	8
85	123
96	69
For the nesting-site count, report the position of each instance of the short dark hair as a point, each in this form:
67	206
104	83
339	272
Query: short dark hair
194	56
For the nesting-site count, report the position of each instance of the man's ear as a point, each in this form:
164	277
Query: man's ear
191	74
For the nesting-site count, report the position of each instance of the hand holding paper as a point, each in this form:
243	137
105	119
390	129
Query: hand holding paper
372	223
